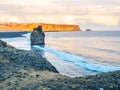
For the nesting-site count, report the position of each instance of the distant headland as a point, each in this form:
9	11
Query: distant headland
88	30
46	27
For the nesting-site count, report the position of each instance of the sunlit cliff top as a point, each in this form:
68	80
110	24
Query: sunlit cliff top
46	27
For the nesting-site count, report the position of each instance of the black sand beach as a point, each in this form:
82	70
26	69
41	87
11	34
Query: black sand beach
25	70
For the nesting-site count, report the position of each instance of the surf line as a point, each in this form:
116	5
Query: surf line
78	60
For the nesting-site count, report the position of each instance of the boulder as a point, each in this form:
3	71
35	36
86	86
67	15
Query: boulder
37	36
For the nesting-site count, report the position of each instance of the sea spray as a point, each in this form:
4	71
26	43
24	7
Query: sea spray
78	60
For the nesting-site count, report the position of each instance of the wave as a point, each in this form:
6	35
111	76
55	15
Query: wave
78	60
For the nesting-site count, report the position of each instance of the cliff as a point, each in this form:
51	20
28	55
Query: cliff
46	27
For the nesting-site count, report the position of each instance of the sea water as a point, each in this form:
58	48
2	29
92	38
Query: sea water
77	53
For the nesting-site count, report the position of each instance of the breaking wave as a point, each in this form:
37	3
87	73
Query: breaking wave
78	60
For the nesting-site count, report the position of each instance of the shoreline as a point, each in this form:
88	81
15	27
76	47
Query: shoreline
23	70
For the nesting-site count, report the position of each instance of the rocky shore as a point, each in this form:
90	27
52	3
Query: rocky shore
25	70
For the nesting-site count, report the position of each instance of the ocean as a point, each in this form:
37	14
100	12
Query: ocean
76	53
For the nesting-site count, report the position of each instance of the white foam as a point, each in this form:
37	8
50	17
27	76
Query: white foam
26	35
78	60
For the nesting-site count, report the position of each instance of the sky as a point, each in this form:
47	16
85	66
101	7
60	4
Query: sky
92	14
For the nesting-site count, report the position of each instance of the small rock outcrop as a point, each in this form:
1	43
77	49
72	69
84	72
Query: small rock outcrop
37	36
88	30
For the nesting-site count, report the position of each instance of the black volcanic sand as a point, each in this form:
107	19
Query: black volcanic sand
25	70
12	34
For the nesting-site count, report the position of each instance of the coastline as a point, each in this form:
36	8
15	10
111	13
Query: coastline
46	26
17	72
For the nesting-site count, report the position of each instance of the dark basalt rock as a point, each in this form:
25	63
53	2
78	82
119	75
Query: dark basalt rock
37	36
2	43
14	59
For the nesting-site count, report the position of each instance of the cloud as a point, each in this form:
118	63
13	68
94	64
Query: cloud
98	12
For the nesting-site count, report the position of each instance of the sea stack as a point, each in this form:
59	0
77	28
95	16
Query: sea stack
37	36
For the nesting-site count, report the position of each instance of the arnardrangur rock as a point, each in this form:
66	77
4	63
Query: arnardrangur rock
37	36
